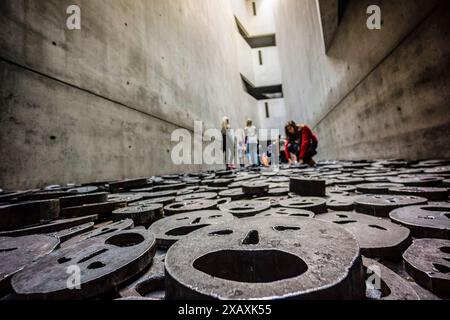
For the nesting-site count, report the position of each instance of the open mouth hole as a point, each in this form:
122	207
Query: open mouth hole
183	231
300	215
263	266
181	219
125	240
343	216
8	250
215	217
196	221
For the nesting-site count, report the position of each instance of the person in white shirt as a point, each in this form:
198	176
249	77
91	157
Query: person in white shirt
251	137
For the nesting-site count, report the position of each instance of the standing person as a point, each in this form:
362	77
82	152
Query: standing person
251	138
228	140
301	144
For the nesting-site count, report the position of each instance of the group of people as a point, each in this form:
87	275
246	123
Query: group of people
246	143
241	147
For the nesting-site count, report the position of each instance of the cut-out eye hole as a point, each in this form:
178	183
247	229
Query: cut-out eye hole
196	221
221	233
282	210
215	217
96	265
184	231
345	222
441	268
7	250
436	209
343	216
300	215
63	260
181	219
378	227
392	200
252	238
283	228
93	255
445	250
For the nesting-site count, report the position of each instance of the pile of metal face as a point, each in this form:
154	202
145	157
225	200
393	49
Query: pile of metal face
341	230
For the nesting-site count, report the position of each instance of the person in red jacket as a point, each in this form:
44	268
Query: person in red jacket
301	144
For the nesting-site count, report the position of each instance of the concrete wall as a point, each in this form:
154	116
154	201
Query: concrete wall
376	93
101	103
269	73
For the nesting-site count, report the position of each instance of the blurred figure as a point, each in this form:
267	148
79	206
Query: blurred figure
251	139
300	145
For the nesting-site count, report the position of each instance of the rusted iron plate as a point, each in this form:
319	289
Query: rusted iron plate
101	233
102	210
125	197
151	285
260	258
234	194
283	212
190	205
82	199
20	215
255	188
340	202
128	184
197	196
65	235
418	181
103	265
377	188
432	194
164	201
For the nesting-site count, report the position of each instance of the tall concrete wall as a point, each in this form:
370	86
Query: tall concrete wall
375	93
102	102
